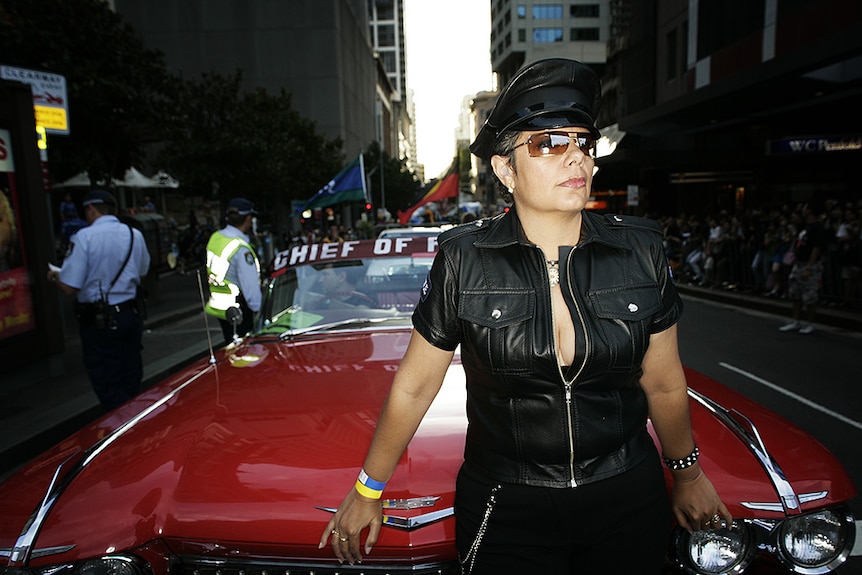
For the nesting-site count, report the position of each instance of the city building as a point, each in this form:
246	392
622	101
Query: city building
728	106
713	106
524	31
319	52
386	21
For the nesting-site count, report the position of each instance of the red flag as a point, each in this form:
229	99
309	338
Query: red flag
445	188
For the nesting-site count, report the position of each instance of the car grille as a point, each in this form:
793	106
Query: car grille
208	566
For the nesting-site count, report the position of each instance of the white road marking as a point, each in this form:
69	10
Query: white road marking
797	397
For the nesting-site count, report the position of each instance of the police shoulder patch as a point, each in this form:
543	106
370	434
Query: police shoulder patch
70	248
249	258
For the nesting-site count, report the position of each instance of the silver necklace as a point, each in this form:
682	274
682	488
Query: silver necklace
553	272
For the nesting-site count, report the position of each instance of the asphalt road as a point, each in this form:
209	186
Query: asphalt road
813	381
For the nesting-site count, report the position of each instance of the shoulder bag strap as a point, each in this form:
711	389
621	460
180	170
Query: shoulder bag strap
125	261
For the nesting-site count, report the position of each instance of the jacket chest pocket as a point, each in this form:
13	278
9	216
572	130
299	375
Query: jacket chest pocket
500	328
624	318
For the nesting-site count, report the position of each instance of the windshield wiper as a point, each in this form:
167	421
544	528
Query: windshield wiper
352	322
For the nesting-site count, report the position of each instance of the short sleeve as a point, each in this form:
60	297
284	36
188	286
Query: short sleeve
671	309
435	316
74	268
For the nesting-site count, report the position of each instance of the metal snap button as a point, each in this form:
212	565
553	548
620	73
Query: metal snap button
496	314
633	307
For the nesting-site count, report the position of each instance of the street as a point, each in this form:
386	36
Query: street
813	380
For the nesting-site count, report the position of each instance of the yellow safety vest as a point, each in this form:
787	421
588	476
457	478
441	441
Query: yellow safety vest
224	294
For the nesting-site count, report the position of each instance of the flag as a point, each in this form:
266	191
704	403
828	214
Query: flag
446	187
348	185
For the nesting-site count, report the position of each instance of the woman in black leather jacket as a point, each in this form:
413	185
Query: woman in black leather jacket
567	327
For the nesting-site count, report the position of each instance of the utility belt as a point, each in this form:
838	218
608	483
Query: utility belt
102	314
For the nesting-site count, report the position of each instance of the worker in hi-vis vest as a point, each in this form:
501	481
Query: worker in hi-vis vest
233	271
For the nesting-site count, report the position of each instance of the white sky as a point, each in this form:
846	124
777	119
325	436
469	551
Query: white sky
447	44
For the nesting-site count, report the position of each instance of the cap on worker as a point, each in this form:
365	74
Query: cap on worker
241	206
99	197
547	94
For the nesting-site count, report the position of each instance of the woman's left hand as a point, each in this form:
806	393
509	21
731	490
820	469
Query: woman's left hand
695	502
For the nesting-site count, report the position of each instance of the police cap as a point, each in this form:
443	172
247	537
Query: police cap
99	197
241	206
547	94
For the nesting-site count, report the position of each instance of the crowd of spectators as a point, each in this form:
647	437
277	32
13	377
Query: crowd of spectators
751	252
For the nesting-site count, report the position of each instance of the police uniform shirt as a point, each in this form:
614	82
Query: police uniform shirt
96	253
243	271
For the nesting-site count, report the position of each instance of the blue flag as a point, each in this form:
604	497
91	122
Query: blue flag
347	186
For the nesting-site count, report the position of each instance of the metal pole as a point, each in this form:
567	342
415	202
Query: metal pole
382	188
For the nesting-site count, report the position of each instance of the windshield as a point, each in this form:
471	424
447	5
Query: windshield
327	286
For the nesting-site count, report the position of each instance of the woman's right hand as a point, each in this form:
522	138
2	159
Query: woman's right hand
354	514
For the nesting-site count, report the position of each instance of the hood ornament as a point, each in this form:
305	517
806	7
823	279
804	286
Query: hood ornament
408	523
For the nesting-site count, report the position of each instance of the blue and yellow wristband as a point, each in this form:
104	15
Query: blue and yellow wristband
369	487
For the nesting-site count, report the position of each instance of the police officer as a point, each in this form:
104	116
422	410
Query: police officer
102	268
233	271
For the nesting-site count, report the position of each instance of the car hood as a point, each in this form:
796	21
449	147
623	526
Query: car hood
249	450
241	458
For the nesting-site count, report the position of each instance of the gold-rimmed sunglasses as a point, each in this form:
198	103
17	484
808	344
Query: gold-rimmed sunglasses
557	143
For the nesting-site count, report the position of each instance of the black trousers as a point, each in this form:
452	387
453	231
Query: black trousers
112	357
619	525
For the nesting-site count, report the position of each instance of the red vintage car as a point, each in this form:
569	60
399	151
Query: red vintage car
233	465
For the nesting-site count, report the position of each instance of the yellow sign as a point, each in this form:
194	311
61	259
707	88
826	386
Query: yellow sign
51	118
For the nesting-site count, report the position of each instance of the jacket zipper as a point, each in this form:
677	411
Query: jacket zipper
569	384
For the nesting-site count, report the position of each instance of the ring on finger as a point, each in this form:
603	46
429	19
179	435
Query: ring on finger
342	539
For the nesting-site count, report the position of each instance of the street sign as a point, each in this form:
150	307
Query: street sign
50	103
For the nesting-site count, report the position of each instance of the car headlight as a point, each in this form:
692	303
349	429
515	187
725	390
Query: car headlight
107	565
816	542
715	551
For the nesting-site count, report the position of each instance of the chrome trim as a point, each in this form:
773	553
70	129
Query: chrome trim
412	503
751	437
776	506
43	552
23	551
407	523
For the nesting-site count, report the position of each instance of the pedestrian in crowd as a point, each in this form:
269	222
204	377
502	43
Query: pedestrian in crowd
805	275
103	267
848	235
334	235
233	271
149	207
559	470
68	209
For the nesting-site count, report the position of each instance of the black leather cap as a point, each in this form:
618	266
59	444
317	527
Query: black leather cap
551	93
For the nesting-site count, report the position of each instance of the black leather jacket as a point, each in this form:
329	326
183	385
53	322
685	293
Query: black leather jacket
532	422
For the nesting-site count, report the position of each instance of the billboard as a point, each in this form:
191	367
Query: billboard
16	306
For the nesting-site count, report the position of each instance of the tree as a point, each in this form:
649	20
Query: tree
400	185
227	142
117	88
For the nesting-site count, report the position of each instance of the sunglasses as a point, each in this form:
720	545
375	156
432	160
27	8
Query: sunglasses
557	144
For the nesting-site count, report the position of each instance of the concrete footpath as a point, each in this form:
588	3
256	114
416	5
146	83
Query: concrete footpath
43	403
